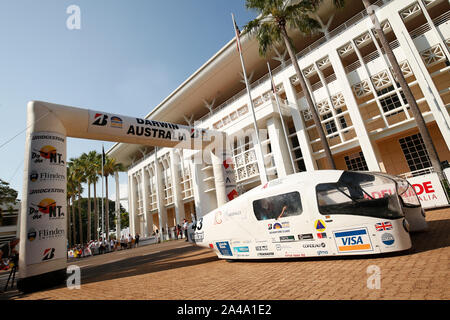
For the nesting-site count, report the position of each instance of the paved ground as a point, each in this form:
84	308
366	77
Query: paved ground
177	270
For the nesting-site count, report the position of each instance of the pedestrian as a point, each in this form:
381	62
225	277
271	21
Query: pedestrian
7	250
157	236
185	227
112	244
137	239
130	241
101	248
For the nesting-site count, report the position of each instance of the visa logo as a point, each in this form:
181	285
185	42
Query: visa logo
352	240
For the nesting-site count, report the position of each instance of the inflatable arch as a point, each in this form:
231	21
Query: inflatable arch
43	247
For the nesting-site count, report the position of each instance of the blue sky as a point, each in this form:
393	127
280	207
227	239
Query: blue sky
126	58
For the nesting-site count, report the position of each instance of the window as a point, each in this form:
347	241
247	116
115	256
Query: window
356	162
390	102
415	153
359	194
280	206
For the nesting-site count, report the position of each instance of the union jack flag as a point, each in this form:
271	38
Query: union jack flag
383	226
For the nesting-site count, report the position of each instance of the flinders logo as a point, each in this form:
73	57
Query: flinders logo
47	153
46	176
31	234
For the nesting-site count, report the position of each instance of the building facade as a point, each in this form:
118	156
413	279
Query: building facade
362	108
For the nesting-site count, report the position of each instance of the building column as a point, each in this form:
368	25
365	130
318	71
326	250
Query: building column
144	190
372	159
424	80
134	221
117	207
162	212
302	135
149	214
176	183
280	150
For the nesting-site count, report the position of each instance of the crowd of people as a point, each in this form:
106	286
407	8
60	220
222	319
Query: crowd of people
174	233
102	246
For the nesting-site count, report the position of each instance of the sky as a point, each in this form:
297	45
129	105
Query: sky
124	57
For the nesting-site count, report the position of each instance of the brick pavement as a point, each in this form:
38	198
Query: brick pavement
168	271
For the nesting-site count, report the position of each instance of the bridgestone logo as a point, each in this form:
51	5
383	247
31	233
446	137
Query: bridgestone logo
49	190
48	138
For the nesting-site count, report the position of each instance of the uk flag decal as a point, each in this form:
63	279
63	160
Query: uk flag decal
383	226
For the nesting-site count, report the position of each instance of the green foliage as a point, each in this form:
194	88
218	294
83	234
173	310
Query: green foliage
274	16
7	194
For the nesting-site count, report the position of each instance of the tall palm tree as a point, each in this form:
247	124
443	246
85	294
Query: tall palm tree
109	168
79	177
270	29
421	125
89	163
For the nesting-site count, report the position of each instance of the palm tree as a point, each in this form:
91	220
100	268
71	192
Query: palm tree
421	125
109	168
89	163
270	29
79	177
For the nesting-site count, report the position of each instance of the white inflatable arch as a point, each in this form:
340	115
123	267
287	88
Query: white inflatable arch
43	224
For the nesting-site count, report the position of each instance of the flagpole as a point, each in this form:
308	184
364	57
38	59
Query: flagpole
258	143
272	84
103	207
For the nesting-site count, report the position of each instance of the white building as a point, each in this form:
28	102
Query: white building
367	122
9	221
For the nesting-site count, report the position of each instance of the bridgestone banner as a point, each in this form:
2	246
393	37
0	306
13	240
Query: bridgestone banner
46	199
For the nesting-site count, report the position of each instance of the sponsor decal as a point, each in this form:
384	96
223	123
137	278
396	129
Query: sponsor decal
353	240
278	227
306	236
48	137
319	225
292	255
46	176
383	226
322	235
287	238
387	239
199	236
48	254
46	206
322	252
31	234
241	249
261	248
314	245
116	122
224	248
266	254
49	154
47	190
100	119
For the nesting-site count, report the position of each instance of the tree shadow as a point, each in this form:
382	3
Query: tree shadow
153	262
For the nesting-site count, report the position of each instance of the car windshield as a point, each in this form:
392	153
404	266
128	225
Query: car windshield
360	194
405	190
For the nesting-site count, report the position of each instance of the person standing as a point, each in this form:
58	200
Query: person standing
137	240
185	227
